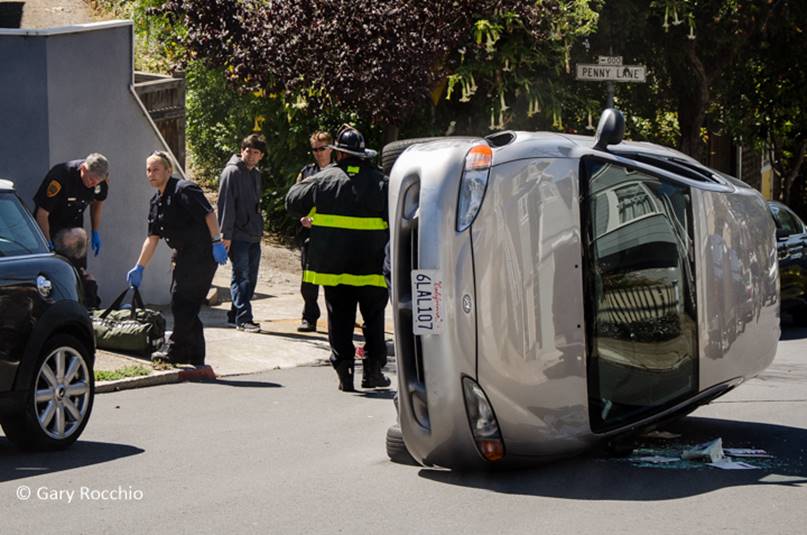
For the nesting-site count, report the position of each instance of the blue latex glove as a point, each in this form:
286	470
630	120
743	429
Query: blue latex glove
135	276
95	242
219	253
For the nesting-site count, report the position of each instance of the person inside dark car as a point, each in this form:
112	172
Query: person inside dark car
71	243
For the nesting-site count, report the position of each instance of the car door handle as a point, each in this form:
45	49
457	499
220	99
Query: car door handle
44	286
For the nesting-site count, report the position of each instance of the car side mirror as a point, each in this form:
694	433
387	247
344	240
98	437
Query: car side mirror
610	129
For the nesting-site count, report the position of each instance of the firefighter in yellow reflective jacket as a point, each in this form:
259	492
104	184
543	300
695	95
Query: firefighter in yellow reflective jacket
347	202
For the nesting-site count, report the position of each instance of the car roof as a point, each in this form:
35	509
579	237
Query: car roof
6	185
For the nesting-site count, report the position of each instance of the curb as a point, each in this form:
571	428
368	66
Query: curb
157	378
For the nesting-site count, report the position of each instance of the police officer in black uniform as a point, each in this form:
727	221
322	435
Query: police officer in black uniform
180	214
346	254
65	193
321	151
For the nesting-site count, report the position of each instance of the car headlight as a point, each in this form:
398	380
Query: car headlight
473	184
484	426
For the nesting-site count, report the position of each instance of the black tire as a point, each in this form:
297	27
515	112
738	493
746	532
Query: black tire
24	429
396	448
799	317
392	150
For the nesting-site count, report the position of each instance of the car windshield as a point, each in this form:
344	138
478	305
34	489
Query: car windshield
18	233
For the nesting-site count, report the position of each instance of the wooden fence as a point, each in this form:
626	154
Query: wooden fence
164	99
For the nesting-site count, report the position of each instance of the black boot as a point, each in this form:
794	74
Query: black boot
344	370
372	377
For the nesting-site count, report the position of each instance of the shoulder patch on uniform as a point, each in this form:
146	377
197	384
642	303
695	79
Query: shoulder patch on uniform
54	187
97	189
353	169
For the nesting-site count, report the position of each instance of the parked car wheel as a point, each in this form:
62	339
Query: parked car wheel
396	449
62	390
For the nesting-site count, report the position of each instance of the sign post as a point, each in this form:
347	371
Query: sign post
610	69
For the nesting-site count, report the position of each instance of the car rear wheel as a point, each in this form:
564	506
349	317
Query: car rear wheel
60	399
392	150
396	448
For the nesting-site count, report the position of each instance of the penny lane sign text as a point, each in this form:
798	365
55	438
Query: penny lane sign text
610	69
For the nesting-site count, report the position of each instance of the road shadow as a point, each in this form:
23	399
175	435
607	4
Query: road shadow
792	332
16	464
376	394
598	477
240	383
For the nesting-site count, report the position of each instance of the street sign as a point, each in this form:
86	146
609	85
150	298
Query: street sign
609	60
612	73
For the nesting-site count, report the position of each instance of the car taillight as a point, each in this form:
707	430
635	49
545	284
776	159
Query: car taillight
473	184
484	426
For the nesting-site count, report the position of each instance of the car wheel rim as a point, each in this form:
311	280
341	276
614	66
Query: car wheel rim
62	394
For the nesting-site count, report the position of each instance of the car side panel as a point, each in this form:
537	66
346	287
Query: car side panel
738	285
528	261
21	305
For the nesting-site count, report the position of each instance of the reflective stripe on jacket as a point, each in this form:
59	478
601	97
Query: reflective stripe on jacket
348	204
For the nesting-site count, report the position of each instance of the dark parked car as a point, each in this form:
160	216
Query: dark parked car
47	348
791	245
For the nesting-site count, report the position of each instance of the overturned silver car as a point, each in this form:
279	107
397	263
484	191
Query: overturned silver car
551	291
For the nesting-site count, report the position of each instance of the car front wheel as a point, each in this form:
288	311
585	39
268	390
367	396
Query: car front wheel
60	400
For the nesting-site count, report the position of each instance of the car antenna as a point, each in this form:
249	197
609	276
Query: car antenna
610	129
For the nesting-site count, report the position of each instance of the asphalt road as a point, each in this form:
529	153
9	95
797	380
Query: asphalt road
285	452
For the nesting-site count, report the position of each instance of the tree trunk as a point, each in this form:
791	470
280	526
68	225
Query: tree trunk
691	83
790	177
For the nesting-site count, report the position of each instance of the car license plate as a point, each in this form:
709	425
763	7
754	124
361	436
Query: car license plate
427	302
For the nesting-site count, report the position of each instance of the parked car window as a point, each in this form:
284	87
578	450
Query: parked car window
641	308
786	220
17	233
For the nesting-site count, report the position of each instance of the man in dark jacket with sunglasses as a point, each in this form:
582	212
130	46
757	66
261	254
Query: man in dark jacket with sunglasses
321	151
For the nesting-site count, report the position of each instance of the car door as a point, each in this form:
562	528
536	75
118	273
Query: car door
22	285
640	311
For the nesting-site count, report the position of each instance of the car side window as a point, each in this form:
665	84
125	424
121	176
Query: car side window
641	314
789	221
18	235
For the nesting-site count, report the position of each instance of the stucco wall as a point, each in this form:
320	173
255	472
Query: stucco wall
66	93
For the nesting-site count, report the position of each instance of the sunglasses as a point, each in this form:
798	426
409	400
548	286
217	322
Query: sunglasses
319	149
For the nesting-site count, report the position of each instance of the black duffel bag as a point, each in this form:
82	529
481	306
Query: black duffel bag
134	330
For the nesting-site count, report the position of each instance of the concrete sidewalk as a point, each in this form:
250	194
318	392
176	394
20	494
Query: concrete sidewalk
277	307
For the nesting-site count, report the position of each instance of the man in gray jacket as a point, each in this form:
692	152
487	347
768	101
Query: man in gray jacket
241	222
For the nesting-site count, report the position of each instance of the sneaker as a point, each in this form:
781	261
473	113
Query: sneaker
307	326
250	327
231	320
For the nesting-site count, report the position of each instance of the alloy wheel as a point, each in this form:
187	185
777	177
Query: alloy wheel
63	392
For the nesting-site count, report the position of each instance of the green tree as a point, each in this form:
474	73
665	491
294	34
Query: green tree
381	62
765	102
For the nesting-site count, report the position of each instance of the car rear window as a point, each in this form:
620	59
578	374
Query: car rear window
18	233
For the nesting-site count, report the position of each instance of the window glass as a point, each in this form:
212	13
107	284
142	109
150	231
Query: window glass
18	235
787	220
641	307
